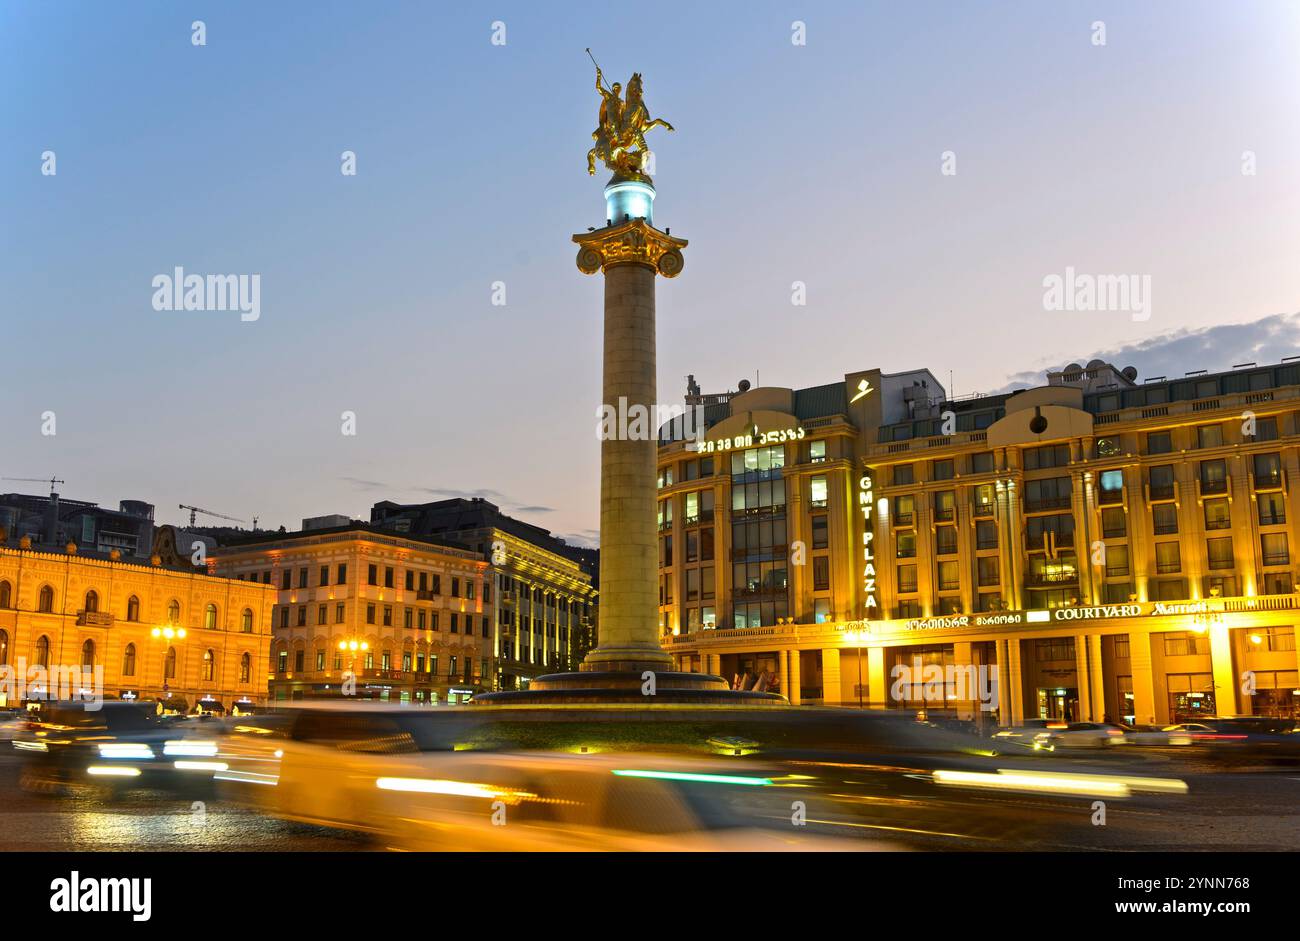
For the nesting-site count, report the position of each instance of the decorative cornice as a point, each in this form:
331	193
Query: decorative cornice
634	242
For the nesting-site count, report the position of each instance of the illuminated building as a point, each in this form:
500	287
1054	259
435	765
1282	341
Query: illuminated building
1102	547
409	617
158	632
545	601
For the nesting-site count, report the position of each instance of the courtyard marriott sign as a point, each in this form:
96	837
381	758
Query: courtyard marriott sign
1046	616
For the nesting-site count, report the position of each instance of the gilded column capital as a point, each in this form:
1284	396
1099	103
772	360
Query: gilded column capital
634	242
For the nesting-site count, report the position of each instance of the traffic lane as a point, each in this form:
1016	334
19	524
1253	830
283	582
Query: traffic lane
148	820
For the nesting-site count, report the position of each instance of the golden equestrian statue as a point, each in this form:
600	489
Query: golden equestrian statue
621	129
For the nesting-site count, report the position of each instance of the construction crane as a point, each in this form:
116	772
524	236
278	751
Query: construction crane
198	509
39	480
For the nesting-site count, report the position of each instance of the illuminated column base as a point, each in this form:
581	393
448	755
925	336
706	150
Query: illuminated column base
1144	691
832	691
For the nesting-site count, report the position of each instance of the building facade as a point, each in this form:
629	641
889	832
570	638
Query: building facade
410	618
1090	548
196	641
545	600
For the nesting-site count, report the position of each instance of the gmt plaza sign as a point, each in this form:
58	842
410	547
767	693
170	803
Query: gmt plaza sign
867	505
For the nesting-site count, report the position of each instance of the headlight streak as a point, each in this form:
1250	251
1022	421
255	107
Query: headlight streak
692	777
1058	782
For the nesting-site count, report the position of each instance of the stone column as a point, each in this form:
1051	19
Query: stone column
1144	693
796	678
629	254
1082	685
1098	678
832	692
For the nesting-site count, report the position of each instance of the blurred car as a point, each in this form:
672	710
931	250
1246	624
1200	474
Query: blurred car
1249	740
73	747
12	722
1028	735
1180	734
392	773
1082	735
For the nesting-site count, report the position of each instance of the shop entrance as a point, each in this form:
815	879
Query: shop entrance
1058	702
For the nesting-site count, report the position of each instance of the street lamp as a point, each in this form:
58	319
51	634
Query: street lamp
353	646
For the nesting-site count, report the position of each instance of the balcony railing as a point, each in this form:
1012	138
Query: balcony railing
1047	503
1214	487
1161	491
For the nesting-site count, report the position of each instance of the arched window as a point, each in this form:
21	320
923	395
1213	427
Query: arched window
43	652
209	665
169	665
92	601
46	599
133	608
4	647
6	595
128	660
174	612
246	621
210	617
245	668
88	653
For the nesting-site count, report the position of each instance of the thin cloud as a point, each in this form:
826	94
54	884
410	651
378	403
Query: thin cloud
1173	354
360	484
534	509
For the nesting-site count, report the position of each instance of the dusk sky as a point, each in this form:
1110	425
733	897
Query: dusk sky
818	163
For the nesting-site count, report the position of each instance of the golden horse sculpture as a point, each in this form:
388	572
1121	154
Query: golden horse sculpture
620	133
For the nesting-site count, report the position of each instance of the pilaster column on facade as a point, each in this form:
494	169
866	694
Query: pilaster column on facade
1084	486
1082	679
923	512
1290	477
1226	700
1145	709
963	521
844	529
1015	682
877	677
832	692
793	693
800	591
714	662
1245	534
721	561
965	704
783	664
678	532
1097	678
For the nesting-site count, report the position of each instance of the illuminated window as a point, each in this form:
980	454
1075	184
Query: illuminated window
1209	436
45	601
209	665
819	491
128	660
210	617
246	621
